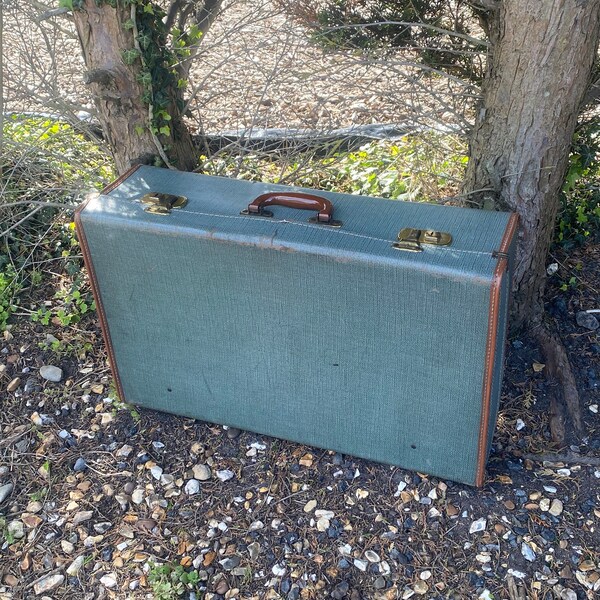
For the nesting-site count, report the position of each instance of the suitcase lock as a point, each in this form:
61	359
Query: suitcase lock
410	239
159	203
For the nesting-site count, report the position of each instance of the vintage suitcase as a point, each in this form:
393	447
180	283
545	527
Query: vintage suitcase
368	331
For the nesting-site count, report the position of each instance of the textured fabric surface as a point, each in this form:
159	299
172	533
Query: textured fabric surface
321	336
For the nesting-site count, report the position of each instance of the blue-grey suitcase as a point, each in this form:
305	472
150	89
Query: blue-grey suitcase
368	326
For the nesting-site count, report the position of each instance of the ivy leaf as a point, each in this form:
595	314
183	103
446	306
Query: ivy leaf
148	8
66	4
165	130
129	24
130	56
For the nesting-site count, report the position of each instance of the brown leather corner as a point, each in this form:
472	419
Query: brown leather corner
87	259
490	351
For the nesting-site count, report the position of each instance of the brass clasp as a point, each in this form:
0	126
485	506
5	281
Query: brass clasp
410	239
159	203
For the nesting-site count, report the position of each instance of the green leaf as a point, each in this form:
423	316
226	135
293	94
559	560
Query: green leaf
165	130
66	4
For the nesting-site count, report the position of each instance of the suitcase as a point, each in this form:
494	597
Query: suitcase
368	326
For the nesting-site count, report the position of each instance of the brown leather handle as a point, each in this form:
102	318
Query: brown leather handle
299	200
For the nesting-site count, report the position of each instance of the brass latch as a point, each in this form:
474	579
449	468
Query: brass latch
159	203
410	239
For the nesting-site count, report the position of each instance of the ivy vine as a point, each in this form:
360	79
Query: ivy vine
159	60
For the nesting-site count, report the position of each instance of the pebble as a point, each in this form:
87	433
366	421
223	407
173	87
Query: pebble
74	568
278	570
67	547
3	471
15	528
137	497
51	373
556	507
254	550
5	491
225	475
361	565
202	472
527	552
124	451
31	386
230	562
13	386
84	515
48	583
340	591
156	472
310	506
80	465
544	504
587	320
478	525
232	433
372	557
102	527
192	487
379	583
109	580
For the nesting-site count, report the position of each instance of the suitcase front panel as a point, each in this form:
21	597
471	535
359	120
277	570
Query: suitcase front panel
359	356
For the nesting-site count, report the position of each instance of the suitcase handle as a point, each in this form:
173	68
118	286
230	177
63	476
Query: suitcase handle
298	200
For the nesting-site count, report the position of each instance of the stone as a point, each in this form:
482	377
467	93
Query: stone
478	525
31	521
225	475
527	552
137	497
13	386
109	580
51	373
544	504
124	451
5	491
16	529
67	547
102	527
230	562
340	591
310	506
254	550
556	507
80	465
278	570
202	472
421	588
48	583
156	472
587	320
372	557
84	515
379	583
74	568
31	386
192	487
361	565
232	433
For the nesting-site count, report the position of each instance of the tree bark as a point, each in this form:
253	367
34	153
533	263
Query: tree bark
117	92
542	54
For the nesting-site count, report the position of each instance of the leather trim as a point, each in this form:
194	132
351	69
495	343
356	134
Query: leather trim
117	182
87	259
490	352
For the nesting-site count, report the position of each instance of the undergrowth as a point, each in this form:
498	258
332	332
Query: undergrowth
47	164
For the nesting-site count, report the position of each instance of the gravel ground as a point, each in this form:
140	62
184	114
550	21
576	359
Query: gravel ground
94	494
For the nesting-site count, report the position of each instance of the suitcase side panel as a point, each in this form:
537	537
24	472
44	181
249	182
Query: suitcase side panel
495	350
339	354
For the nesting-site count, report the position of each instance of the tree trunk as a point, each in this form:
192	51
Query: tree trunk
118	92
538	72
